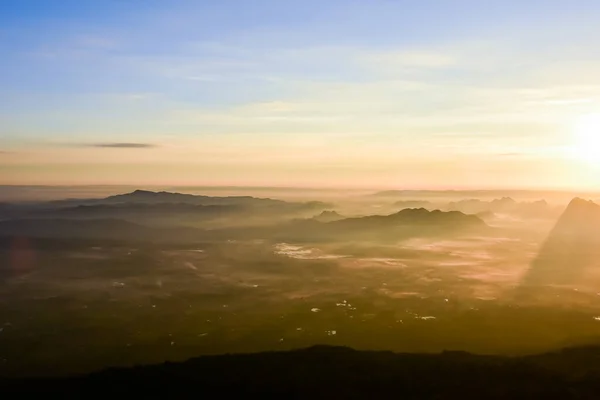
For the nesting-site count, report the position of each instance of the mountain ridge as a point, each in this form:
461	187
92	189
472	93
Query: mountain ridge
405	223
147	196
341	372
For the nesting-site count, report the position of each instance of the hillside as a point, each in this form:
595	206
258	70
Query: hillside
339	372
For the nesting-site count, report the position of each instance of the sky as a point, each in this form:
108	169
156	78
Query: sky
319	93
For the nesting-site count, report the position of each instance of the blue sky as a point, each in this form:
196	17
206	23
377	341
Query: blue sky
388	93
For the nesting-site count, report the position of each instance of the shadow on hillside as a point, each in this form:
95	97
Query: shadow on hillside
570	255
562	260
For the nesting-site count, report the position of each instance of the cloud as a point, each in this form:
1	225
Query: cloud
509	154
95	42
123	145
202	78
393	60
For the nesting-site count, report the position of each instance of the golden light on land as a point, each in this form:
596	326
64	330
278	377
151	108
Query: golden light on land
586	145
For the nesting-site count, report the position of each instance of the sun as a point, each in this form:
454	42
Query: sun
586	145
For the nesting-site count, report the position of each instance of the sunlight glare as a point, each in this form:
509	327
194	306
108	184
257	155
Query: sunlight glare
586	146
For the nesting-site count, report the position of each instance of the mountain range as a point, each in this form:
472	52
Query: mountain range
504	205
404	224
161	206
149	197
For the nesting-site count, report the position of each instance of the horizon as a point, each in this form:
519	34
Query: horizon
342	94
35	193
375	189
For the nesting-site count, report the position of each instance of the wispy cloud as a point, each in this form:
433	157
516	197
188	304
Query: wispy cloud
509	154
395	60
95	42
122	145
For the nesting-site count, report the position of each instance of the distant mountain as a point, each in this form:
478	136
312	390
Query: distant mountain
407	223
456	194
327	372
146	196
571	253
412	204
412	217
534	206
474	206
149	197
432	193
148	207
328	216
502	204
505	205
404	224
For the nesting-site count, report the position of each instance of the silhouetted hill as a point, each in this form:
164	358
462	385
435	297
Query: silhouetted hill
404	224
534	207
571	253
412	216
412	204
328	216
149	197
165	208
436	193
474	206
505	205
165	204
145	196
340	373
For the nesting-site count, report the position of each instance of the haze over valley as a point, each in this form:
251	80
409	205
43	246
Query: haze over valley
144	276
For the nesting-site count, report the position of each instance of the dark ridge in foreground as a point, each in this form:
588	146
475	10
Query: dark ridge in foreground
339	372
